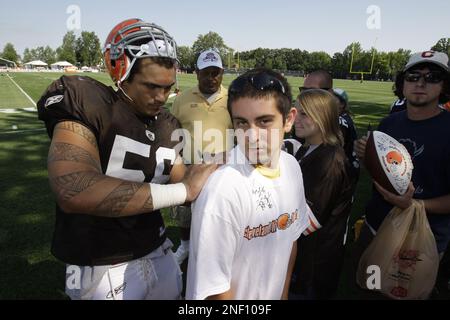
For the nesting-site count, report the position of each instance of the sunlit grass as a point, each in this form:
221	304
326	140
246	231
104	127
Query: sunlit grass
27	268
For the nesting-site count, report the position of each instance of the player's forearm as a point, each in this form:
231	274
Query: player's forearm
287	282
78	182
96	194
439	205
80	186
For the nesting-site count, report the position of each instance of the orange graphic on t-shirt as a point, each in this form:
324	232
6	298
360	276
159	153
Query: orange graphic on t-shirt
283	221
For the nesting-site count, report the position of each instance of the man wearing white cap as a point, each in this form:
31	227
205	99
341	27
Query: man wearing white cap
400	103
424	129
202	111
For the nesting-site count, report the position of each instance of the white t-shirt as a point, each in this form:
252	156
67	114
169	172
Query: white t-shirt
243	228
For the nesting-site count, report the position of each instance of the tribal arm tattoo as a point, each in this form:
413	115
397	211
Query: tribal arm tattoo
78	182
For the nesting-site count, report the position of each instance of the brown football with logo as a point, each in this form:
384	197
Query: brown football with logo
388	162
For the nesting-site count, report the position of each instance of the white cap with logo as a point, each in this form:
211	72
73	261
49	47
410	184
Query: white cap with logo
209	58
438	58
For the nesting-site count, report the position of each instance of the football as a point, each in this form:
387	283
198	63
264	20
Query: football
388	162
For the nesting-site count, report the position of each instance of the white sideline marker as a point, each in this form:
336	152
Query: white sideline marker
19	110
21	90
22	131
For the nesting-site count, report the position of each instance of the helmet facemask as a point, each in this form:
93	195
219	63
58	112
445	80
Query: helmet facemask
140	40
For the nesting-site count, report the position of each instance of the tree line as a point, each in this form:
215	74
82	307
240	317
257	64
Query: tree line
82	51
86	50
342	65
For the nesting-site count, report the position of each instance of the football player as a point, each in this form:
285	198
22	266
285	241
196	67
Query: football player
346	121
398	105
110	158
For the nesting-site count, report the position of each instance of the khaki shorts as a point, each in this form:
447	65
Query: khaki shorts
182	214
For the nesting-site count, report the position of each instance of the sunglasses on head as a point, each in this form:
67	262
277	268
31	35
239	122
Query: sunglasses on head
261	81
430	77
307	88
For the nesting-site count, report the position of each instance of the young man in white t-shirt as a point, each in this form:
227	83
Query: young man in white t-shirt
247	219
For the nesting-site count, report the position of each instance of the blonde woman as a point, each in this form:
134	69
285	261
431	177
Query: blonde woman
328	190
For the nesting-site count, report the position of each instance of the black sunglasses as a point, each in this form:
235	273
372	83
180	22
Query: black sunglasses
430	77
261	81
307	88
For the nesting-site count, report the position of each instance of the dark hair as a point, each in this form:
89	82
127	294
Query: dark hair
324	75
274	89
165	62
400	77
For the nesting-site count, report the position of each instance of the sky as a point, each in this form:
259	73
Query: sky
321	25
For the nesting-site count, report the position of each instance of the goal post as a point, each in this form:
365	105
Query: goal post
362	73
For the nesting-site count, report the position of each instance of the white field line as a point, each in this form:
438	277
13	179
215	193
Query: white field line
21	90
21	131
18	110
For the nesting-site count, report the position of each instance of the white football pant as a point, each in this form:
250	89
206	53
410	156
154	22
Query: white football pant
156	276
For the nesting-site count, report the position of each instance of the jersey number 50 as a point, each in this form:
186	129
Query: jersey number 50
122	145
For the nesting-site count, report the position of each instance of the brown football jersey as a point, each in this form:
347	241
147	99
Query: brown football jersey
131	148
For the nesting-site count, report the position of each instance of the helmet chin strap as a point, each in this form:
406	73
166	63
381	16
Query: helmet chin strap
123	91
126	95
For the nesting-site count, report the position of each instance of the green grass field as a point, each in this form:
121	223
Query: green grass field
27	269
